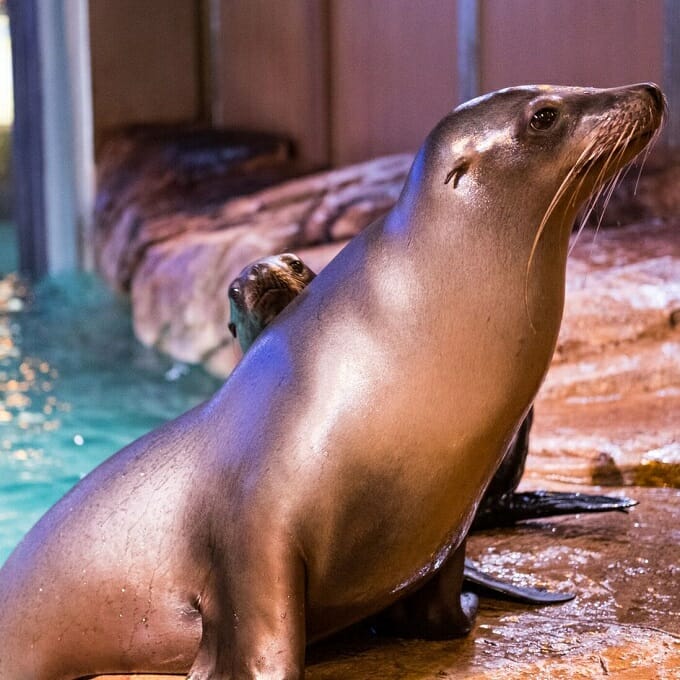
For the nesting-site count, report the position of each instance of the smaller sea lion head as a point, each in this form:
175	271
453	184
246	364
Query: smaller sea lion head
261	291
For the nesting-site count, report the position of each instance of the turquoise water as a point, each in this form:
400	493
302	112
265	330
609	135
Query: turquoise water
8	248
75	386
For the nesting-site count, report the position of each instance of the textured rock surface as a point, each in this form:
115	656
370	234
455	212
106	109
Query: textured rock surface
179	288
624	622
609	410
147	173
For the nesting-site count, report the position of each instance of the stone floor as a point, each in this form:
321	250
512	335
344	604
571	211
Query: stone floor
609	410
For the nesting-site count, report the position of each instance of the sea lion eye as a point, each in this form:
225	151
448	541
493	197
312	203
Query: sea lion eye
297	266
234	293
543	119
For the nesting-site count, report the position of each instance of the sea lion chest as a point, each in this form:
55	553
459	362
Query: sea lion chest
361	438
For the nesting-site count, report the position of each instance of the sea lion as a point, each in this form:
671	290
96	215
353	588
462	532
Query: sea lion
227	539
261	291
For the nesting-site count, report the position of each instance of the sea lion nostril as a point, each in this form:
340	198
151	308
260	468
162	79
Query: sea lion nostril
655	93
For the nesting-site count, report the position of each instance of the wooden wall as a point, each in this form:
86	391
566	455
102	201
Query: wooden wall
602	43
145	61
351	79
272	70
393	74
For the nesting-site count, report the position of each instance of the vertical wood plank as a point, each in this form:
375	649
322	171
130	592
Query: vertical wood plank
273	71
393	74
145	61
468	50
602	43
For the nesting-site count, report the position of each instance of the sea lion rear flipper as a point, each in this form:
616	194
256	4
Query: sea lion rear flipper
484	584
516	507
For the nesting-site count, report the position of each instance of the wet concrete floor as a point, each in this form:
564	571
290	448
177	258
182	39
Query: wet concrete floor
623	623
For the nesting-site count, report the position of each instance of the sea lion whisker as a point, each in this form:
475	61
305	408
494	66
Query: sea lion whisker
607	190
590	206
611	186
640	168
589	155
618	149
592	202
646	152
546	216
577	189
618	144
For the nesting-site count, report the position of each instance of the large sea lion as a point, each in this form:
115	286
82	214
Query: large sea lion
225	540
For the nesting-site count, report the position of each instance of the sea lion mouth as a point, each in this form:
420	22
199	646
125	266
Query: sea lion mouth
635	143
268	288
624	133
271	295
270	301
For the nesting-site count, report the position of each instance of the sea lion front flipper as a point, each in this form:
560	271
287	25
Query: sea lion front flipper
515	507
482	583
439	610
254	620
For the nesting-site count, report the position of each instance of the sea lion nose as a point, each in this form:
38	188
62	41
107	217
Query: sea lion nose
654	91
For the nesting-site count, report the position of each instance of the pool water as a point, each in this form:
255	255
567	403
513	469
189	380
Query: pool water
8	247
75	386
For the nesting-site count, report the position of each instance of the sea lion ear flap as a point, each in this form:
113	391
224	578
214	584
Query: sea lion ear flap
458	170
232	328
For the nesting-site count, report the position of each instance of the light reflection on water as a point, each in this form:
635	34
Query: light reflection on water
75	387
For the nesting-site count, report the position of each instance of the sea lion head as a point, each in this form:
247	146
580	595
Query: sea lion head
566	140
261	291
524	160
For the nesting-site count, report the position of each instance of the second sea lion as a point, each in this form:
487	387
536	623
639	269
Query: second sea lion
261	291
